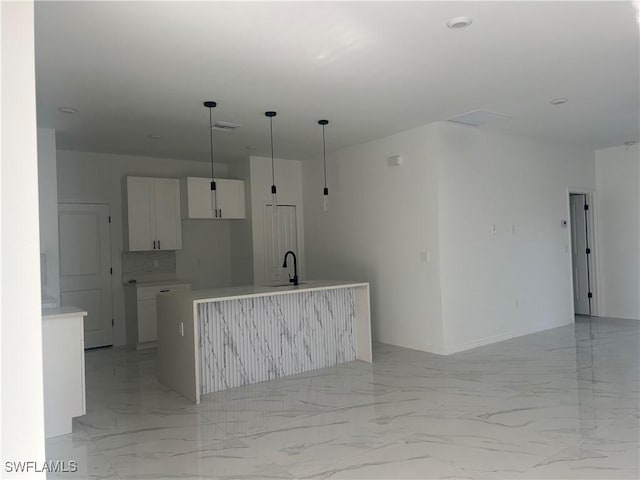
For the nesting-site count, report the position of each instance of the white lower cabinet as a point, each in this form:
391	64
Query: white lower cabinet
63	368
140	310
147	324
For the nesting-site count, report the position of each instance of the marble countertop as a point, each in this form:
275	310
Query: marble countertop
155	283
248	291
62	312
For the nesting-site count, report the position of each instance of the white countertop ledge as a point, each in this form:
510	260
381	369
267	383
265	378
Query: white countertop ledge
62	312
250	291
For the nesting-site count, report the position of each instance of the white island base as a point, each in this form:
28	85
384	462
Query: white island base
211	340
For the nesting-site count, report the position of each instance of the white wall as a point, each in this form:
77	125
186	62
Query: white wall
22	417
455	184
488	179
618	210
289	183
205	257
97	178
382	220
48	193
241	231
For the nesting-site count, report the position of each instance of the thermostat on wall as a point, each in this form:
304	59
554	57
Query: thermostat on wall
395	160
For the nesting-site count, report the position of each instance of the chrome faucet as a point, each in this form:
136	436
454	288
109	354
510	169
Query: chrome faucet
293	280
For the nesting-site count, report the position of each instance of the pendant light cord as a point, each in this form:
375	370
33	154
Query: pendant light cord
273	170
324	157
211	140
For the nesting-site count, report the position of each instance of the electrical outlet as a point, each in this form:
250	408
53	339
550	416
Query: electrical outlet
425	256
156	263
182	329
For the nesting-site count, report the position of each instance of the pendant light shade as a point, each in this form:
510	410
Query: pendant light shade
325	191
214	193
274	190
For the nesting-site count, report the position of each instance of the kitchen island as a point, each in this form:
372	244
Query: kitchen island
211	340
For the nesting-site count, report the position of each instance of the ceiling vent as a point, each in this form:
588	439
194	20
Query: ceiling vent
225	126
478	117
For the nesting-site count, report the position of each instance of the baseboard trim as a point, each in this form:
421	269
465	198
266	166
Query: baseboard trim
424	348
615	318
481	342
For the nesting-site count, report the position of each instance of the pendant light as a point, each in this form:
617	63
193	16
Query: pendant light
214	193
274	196
325	192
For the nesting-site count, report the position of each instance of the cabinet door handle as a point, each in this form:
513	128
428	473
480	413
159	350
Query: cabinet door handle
154	244
165	291
158	244
220	213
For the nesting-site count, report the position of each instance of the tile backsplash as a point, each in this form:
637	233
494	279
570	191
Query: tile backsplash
148	265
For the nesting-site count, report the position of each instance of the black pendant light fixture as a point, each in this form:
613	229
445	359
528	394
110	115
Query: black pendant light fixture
325	192
214	194
274	190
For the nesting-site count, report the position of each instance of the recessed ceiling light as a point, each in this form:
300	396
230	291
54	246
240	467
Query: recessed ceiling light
630	143
250	147
558	101
459	22
154	137
69	110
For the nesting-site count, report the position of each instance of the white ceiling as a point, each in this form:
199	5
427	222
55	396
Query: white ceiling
372	69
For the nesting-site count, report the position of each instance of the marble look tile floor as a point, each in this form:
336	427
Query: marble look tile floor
563	403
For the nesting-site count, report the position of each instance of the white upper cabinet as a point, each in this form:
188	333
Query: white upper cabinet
153	214
141	212
167	203
231	198
196	198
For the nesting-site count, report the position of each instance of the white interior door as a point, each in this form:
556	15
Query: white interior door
85	268
277	245
579	256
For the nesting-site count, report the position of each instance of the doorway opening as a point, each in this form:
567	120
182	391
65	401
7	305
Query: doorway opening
582	253
279	242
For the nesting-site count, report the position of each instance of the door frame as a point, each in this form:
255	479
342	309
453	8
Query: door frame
110	234
299	253
592	238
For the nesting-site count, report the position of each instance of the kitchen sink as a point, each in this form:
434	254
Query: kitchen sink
278	285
